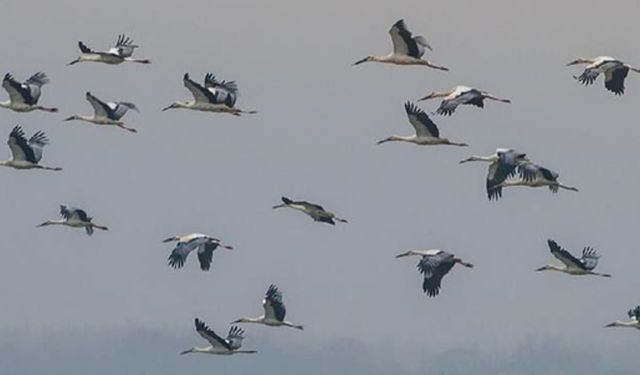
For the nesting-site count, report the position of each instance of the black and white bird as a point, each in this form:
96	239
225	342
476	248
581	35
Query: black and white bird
315	211
214	96
106	113
121	52
427	133
634	315
218	345
75	218
407	49
533	175
274	311
26	154
204	244
24	96
503	165
572	265
615	72
433	265
460	95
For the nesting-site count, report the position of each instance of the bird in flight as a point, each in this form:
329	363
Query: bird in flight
121	52
274	311
407	49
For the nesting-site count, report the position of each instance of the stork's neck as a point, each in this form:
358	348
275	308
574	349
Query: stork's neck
481	158
250	320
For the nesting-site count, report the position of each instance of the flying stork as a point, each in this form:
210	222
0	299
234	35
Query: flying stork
214	96
274	311
23	97
75	218
533	175
26	154
615	72
187	243
427	133
407	49
433	265
502	166
634	314
573	265
122	52
221	346
106	113
461	95
315	211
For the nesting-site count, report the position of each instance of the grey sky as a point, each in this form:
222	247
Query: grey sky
314	138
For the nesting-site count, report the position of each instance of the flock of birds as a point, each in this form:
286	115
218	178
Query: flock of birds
507	167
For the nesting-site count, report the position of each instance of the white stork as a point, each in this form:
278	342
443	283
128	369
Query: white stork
634	314
106	113
427	133
75	218
187	243
26	154
315	211
274	311
219	345
503	166
407	49
461	95
573	265
533	175
23	97
433	266
122	52
213	97
615	72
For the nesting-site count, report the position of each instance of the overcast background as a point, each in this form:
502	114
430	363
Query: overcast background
72	304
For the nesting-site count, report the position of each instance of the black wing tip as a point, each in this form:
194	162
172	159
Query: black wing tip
412	109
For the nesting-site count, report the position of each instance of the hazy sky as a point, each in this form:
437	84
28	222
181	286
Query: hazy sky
110	300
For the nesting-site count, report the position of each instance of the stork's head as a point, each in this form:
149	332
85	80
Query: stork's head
71	118
178	104
408	253
368	58
433	95
192	350
545	268
48	222
579	61
75	61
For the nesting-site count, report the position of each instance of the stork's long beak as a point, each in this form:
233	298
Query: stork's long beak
465	161
403	255
360	61
279	206
170	239
428	96
610	325
574	62
167	107
186	352
73	62
68	118
41	225
541	268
